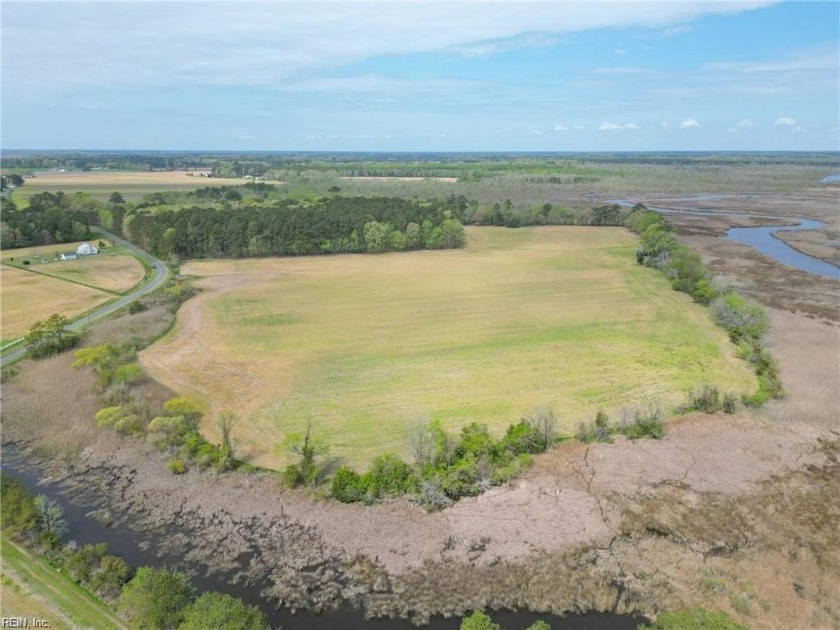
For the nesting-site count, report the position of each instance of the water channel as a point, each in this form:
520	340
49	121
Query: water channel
762	238
139	549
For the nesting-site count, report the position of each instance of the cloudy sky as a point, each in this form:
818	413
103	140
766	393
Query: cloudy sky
421	76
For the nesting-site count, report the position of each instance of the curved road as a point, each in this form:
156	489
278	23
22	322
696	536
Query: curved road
161	273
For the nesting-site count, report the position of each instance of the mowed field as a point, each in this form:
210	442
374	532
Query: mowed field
36	291
365	345
100	184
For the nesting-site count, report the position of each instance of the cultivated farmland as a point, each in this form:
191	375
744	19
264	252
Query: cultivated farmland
366	345
100	184
37	290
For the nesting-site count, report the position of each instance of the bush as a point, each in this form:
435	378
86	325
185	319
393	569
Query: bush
108	416
176	466
479	621
222	612
646	425
128	425
524	438
706	399
347	486
18	516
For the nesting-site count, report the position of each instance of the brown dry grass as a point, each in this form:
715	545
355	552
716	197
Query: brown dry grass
131	184
28	297
113	273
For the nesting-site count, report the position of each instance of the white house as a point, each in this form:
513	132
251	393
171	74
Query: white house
86	249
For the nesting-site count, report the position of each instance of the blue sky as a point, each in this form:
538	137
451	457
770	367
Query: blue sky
421	76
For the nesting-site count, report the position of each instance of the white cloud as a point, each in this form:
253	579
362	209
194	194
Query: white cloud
798	129
785	122
611	126
689	123
619	51
665	124
560	128
745	124
140	44
577	127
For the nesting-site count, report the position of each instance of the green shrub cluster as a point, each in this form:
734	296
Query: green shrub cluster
446	469
643	424
174	432
708	399
481	621
744	320
49	337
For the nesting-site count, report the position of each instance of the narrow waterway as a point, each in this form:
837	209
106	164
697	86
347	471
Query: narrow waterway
139	549
762	238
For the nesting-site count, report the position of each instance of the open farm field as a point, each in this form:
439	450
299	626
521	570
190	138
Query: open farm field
28	297
114	269
100	184
364	346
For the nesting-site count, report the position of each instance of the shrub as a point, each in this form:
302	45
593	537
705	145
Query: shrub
646	425
108	416
167	431
706	399
128	425
176	466
479	621
524	438
347	486
222	612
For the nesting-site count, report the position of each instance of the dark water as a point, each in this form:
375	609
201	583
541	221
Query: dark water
139	549
762	239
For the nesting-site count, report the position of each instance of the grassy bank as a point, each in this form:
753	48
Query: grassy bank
50	593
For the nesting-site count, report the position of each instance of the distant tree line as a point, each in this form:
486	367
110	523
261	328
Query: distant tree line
291	228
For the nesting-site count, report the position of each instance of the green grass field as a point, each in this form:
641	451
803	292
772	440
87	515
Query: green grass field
34	589
365	345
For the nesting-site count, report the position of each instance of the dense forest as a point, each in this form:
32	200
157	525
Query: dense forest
293	228
49	218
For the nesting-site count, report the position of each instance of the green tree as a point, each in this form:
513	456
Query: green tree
310	451
155	598
51	522
222	612
479	621
539	624
18	515
225	423
115	199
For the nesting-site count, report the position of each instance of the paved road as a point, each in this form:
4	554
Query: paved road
159	277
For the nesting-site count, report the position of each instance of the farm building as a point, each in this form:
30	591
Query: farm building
68	256
86	249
